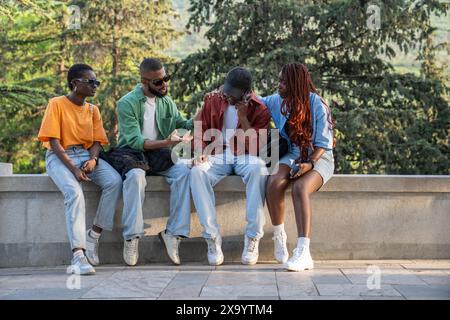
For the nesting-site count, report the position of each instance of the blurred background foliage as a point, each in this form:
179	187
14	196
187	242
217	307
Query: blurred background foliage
387	86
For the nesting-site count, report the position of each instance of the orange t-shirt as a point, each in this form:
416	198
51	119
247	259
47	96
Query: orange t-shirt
71	124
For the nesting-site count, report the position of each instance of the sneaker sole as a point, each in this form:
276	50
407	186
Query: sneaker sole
83	274
282	262
129	264
217	263
93	263
299	269
165	247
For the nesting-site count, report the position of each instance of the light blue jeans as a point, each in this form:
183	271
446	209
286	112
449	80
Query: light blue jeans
180	206
103	175
205	176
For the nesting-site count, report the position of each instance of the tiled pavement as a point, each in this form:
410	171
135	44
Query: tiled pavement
341	280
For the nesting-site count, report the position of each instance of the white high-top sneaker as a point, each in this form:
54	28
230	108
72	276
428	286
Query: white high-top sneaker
251	251
131	251
172	244
91	249
215	254
280	247
81	266
301	260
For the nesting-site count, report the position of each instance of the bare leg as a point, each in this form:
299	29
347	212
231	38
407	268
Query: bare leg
302	189
275	190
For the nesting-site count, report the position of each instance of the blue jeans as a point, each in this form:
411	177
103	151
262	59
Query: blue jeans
103	175
205	176
134	195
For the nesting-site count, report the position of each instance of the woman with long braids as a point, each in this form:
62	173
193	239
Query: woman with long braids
304	120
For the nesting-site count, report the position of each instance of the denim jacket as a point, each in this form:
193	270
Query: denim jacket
322	133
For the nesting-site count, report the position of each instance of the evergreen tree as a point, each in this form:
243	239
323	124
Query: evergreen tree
386	122
40	40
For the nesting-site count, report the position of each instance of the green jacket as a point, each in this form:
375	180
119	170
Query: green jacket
130	109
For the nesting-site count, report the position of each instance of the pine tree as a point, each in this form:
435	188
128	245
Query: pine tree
386	122
40	40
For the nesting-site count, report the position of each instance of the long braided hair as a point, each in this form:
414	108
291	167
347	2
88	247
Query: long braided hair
297	107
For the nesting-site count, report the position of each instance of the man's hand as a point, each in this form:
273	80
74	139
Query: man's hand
174	138
187	137
242	107
80	175
89	166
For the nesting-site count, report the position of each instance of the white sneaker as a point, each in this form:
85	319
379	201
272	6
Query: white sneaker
215	254
301	260
172	244
131	251
91	249
280	247
81	266
251	251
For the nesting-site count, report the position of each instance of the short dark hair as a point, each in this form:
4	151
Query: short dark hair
150	64
76	71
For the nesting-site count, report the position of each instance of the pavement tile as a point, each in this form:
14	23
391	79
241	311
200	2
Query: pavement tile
387	276
132	284
431	277
330	280
226	278
44	294
355	290
239	290
424	292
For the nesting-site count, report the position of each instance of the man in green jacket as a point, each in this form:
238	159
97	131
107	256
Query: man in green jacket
147	117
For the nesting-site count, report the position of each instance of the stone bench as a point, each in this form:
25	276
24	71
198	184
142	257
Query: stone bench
354	217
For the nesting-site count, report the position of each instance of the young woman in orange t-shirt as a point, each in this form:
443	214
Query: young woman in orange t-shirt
72	131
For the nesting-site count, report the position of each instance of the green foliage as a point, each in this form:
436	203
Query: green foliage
37	46
386	122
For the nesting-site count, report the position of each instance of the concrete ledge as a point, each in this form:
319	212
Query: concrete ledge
354	217
6	169
339	183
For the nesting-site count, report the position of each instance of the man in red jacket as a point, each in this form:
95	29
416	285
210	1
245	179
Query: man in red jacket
232	120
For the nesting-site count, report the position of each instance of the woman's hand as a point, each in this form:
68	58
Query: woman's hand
300	169
80	175
89	166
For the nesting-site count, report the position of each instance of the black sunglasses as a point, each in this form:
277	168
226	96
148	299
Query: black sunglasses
158	82
91	82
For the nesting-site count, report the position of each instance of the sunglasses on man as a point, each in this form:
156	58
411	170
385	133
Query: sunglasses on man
91	82
158	82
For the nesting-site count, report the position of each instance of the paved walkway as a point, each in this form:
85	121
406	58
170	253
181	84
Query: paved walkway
380	279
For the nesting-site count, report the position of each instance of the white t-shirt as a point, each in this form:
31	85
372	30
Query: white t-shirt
149	129
230	121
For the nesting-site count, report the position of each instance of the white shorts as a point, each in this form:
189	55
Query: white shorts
324	166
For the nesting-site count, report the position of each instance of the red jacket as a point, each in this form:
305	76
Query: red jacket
214	106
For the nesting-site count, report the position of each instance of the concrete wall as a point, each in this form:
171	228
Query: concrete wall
354	217
6	169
